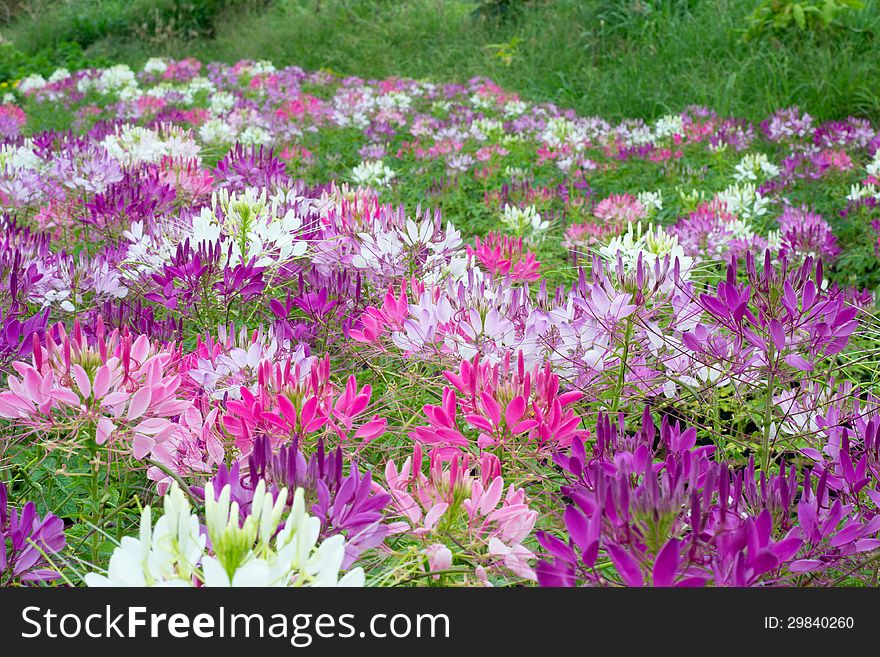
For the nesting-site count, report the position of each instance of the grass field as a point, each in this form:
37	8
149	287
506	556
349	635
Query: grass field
615	58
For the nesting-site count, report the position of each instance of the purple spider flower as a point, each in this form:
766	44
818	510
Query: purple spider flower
24	539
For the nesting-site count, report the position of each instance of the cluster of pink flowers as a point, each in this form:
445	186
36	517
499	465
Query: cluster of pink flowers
12	120
502	255
486	524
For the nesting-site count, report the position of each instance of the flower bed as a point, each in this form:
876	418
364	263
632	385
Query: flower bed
404	333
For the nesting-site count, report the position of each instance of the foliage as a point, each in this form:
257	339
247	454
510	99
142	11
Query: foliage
783	15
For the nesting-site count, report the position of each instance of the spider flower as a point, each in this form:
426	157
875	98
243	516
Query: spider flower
486	525
503	256
252	552
26	540
121	388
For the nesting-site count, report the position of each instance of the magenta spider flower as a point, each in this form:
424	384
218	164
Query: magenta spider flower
620	209
287	407
502	255
25	542
806	233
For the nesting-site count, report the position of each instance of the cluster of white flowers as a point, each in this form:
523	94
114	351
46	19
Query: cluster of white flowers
514	108
394	100
560	131
755	166
669	125
651	201
744	201
255	225
635	133
53	297
58	75
109	80
482	102
217	132
263	67
18	158
254	135
146	255
372	173
873	167
774	243
165	555
155	66
252	553
200	85
440	106
524	221
31	83
483	129
132	144
652	245
861	192
221	102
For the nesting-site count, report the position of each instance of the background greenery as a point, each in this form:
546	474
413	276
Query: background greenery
611	57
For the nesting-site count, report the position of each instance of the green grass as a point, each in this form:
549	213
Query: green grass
616	58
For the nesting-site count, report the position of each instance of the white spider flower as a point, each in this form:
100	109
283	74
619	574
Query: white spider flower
249	553
133	144
221	102
669	125
255	225
31	83
59	74
523	221
372	173
755	167
217	131
165	555
652	245
155	65
873	167
744	201
652	201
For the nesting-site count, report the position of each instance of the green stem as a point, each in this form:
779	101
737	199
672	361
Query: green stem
768	408
621	375
176	477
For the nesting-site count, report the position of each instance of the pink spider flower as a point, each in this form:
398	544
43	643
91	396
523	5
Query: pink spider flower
192	447
475	510
286	408
189	180
123	386
580	237
12	120
374	322
502	255
505	400
620	209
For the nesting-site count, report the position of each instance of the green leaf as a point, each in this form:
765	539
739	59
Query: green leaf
829	11
799	17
